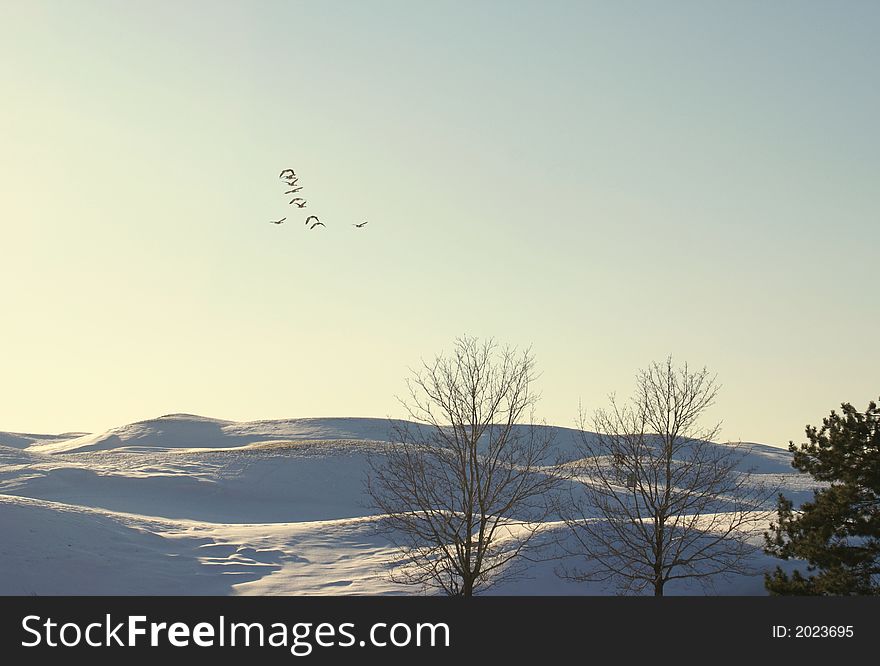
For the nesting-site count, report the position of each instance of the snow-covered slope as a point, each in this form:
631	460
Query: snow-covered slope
54	548
305	480
206	506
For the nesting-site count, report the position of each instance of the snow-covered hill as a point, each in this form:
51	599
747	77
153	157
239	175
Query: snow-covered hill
176	431
189	504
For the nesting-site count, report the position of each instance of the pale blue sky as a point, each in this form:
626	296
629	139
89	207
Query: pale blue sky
609	182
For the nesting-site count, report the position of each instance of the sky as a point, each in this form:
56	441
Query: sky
608	182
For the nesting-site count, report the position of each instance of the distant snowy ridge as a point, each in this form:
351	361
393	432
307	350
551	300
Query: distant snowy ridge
21	440
189	431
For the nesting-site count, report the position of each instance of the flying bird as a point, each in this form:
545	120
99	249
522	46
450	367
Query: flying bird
316	224
361	225
315	218
294	190
290	171
277	221
297	201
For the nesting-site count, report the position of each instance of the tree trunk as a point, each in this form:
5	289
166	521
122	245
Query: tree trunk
658	556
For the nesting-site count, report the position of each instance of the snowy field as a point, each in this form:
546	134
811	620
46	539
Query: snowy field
190	505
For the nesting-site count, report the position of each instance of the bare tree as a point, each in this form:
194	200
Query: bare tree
463	489
659	500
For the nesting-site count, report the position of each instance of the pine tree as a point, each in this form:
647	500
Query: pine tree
838	533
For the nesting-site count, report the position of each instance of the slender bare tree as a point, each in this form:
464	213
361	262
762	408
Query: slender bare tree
463	488
658	500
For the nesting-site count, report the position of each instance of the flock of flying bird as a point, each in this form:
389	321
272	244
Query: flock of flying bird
289	177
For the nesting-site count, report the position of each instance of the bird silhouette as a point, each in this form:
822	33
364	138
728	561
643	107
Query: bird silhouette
277	221
294	190
317	224
310	218
296	200
361	225
290	171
